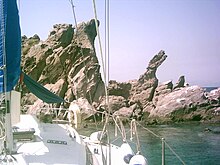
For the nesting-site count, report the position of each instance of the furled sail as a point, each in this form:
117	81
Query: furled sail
10	45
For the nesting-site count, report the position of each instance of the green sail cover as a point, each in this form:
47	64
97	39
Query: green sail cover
40	91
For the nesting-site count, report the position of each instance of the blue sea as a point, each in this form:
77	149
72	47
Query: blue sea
190	142
208	89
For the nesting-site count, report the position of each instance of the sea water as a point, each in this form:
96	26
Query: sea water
191	142
194	143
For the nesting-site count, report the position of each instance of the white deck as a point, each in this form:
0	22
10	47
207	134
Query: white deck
44	150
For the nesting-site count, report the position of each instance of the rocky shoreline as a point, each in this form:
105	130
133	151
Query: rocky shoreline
66	63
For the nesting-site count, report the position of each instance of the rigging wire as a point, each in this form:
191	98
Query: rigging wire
102	60
148	130
164	141
81	52
107	64
104	69
174	153
99	41
107	42
104	64
106	77
96	23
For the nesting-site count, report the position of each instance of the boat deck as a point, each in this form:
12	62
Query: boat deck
52	144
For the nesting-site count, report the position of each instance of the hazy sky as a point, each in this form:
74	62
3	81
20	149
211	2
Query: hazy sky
188	31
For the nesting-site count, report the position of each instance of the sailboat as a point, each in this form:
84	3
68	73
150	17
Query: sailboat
25	140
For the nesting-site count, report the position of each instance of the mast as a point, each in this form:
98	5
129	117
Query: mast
10	57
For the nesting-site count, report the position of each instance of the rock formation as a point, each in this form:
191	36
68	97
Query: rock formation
180	83
66	64
119	89
178	100
144	89
162	90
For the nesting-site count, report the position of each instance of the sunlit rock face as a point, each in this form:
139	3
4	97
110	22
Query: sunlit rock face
181	99
65	63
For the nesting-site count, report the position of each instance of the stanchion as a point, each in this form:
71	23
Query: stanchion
163	152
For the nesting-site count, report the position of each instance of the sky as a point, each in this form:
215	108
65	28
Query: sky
187	30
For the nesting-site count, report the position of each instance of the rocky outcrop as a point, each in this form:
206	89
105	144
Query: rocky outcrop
182	99
27	43
65	63
172	104
112	103
119	89
162	90
214	96
125	112
143	90
180	83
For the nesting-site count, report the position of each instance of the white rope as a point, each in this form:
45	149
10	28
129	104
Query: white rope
120	128
120	137
135	132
